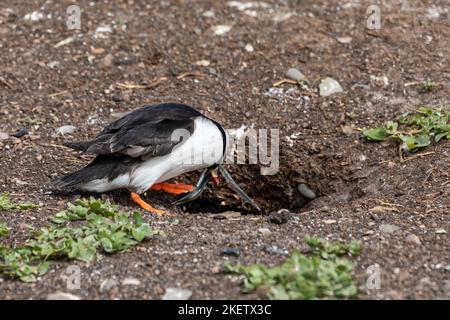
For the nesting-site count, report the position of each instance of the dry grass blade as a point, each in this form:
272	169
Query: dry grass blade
190	74
282	81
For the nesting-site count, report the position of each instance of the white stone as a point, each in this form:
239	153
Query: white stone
249	48
264	231
131	282
34	16
62	296
388	228
69	129
329	86
220	30
177	294
344	40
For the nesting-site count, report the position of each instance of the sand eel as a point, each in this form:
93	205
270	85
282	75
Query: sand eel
149	146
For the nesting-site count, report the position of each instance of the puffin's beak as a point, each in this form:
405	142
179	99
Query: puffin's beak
215	176
213	173
235	187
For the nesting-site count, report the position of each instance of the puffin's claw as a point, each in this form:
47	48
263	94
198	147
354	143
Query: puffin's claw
198	189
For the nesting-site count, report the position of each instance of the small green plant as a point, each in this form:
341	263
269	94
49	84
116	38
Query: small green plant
7	204
326	274
428	85
351	116
3	229
30	121
99	225
418	128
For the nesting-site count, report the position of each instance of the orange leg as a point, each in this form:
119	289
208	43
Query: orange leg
177	188
144	205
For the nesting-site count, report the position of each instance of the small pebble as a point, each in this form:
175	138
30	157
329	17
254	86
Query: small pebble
276	250
117	98
34	16
388	228
176	294
249	48
440	231
412	238
65	130
227	215
20	133
202	63
62	296
344	40
131	282
103	29
234	252
107	285
306	191
107	61
221	29
294	74
3	135
279	217
329	86
264	231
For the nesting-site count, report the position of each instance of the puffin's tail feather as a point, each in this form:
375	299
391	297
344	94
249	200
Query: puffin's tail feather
102	167
76	179
79	145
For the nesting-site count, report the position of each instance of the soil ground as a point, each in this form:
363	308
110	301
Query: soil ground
44	86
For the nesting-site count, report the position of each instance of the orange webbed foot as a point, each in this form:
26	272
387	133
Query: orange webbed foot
144	205
173	188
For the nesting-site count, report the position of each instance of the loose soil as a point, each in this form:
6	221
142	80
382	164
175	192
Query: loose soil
158	45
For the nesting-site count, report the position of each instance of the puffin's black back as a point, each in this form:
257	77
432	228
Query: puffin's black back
153	114
149	128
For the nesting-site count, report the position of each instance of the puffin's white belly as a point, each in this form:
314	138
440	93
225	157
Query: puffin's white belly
201	150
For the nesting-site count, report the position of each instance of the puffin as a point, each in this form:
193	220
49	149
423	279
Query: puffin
147	147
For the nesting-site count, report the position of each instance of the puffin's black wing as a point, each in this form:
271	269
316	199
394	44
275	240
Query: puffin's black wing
145	132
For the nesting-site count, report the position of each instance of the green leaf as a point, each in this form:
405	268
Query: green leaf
376	134
98	224
106	245
26	206
422	141
141	232
6	204
410	143
301	277
417	128
439	136
3	230
391	127
138	220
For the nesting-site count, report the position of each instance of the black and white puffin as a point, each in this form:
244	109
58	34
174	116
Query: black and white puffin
149	146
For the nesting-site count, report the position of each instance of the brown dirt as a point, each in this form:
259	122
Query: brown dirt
165	39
